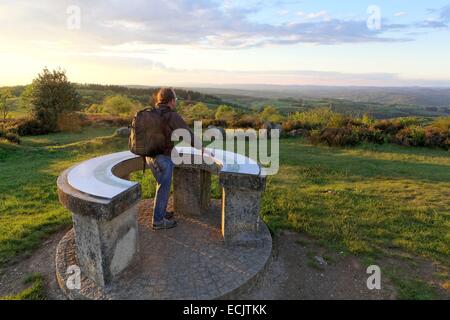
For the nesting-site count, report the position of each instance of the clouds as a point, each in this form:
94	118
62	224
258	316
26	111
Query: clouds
138	36
202	23
439	20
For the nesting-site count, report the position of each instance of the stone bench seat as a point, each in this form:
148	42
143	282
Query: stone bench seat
104	204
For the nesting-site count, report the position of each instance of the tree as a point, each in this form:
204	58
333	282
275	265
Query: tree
5	105
25	98
52	95
198	111
120	105
271	114
225	113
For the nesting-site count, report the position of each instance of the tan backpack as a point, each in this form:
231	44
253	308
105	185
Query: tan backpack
148	133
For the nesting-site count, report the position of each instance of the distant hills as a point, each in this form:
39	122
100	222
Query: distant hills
419	96
379	102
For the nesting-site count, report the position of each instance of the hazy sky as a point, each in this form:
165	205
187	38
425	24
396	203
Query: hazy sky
179	42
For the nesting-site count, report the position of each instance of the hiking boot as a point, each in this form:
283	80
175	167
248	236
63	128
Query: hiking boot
164	224
169	215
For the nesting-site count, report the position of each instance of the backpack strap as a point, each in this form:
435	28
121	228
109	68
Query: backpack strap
143	164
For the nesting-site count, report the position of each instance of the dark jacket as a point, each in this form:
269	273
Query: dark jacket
175	121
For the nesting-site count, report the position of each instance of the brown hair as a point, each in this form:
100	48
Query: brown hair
165	95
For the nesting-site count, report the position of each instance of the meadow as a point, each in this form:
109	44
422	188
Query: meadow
370	201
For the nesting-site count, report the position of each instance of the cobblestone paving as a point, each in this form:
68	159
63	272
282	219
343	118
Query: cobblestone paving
190	261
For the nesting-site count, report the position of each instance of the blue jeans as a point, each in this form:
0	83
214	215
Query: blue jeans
162	170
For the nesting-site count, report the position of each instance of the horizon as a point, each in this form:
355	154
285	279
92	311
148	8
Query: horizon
226	43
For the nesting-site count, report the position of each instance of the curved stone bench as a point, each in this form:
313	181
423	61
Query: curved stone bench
104	204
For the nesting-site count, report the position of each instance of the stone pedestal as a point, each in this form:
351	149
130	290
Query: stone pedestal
191	190
105	247
106	230
241	197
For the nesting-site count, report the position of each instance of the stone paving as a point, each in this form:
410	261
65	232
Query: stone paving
190	261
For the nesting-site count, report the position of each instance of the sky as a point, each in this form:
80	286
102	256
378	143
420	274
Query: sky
211	42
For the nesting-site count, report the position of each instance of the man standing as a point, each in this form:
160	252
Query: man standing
162	165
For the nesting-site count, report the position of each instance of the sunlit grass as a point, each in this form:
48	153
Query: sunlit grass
364	201
369	201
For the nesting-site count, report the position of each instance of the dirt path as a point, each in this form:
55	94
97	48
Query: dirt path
300	269
42	261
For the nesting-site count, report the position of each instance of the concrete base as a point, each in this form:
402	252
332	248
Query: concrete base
192	191
190	261
106	247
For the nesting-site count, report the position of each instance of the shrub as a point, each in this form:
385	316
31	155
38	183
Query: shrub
196	112
338	137
290	125
442	123
413	136
436	137
11	137
30	127
314	136
408	121
248	121
370	134
319	118
389	127
215	123
271	114
69	122
119	105
225	113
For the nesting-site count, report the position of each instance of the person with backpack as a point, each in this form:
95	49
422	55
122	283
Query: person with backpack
150	137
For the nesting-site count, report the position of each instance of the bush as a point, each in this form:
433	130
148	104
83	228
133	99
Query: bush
319	118
292	125
11	137
31	127
389	127
248	121
408	121
226	113
442	123
196	112
69	122
215	123
412	137
437	138
337	137
271	114
119	105
370	134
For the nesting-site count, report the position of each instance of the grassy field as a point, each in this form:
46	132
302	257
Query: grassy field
369	201
364	199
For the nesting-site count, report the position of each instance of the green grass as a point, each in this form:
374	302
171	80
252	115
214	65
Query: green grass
412	288
57	139
33	292
29	206
369	201
364	200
